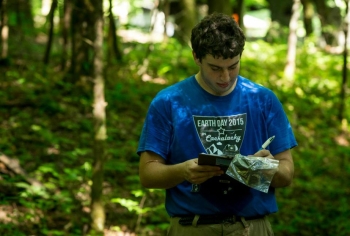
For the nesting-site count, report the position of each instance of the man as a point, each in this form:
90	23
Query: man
205	113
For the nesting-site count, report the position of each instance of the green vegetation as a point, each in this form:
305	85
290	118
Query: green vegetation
47	125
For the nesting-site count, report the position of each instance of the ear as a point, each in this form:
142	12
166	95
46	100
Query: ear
196	60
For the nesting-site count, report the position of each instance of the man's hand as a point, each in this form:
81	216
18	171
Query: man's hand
264	153
155	173
284	175
197	174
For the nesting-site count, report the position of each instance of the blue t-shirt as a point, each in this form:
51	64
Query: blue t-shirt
184	120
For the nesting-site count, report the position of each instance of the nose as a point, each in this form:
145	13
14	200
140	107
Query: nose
225	75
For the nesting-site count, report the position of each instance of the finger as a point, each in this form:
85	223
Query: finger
203	176
199	180
208	168
262	153
207	174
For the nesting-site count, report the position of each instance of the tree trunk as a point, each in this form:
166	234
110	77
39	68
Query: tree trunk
345	68
99	114
330	18
281	11
51	16
67	12
82	43
165	7
322	10
240	8
222	6
112	37
185	20
4	30
308	13
292	41
24	15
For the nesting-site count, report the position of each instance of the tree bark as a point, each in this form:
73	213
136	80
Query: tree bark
185	20
323	11
345	68
308	13
14	165
240	8
4	30
292	41
66	20
165	7
87	60
330	18
24	16
112	37
51	16
82	41
222	6
281	11
99	114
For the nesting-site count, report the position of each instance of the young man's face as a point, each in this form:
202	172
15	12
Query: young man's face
218	76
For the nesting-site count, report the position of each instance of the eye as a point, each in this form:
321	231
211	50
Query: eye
215	68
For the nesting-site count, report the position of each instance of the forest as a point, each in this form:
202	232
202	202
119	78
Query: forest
76	81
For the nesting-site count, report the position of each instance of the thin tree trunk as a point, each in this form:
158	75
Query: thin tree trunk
112	36
185	21
345	69
281	11
139	217
292	41
4	30
166	9
67	12
100	134
240	8
222	6
51	27
82	39
143	68
330	20
24	15
308	13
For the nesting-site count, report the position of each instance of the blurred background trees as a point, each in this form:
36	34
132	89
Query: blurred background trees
76	79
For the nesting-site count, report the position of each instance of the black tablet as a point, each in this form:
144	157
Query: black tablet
214	160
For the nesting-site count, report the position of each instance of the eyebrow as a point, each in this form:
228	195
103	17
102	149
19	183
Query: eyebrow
234	64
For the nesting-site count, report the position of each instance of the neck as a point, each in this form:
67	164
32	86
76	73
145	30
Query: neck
204	86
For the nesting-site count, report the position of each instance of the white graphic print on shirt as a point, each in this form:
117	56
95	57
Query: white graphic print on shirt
221	133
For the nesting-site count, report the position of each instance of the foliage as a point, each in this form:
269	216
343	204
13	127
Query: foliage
47	124
321	160
255	3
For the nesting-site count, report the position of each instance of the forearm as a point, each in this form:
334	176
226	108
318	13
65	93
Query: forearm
158	175
285	173
284	176
154	173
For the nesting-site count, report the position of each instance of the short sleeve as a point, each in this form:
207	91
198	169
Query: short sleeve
157	129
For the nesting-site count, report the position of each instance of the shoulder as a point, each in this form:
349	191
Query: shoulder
259	96
252	88
175	90
174	94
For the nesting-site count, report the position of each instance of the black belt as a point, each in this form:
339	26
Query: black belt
214	219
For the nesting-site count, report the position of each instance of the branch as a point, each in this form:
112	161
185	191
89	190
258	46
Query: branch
14	166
